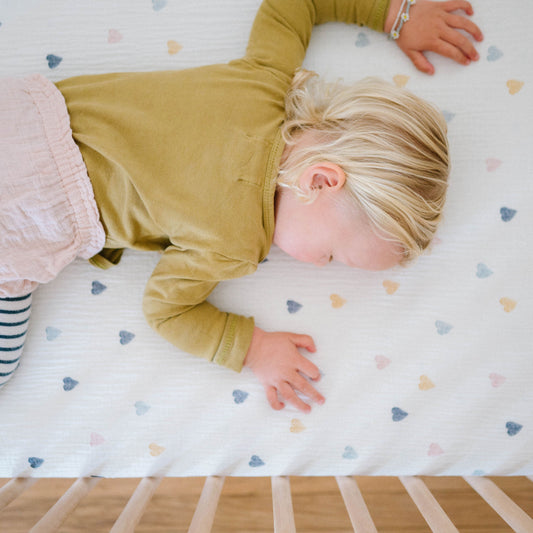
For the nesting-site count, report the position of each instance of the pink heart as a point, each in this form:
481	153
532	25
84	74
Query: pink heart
497	380
434	450
492	164
381	361
114	36
96	439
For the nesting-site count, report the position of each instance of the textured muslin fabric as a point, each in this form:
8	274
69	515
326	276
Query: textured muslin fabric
426	370
48	214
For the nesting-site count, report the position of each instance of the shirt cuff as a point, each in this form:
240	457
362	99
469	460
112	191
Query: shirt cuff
235	343
378	15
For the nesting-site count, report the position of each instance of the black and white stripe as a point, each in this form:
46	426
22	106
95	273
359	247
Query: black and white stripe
14	318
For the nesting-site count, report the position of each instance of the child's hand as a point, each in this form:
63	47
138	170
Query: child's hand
275	360
433	27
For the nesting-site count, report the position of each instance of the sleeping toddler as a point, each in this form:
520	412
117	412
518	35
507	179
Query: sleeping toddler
212	165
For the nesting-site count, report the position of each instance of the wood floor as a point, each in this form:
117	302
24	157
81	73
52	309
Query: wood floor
246	505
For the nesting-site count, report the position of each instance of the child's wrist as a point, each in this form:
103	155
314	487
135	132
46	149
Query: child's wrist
256	340
394	7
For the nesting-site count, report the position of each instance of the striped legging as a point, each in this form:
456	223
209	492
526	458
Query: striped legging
14	318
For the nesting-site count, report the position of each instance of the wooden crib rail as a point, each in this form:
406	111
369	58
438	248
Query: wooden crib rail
283	514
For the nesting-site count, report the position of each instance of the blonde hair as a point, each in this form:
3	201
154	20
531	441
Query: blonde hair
391	145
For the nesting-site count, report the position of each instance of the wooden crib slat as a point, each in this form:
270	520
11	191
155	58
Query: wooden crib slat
428	506
13	489
355	505
204	515
519	520
53	519
132	513
282	503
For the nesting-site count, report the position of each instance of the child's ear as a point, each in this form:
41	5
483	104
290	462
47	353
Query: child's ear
322	176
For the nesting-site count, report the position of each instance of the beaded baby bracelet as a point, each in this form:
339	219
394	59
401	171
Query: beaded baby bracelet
402	17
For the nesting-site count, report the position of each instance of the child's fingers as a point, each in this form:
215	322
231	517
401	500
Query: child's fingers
302	385
420	62
462	23
461	42
303	341
308	368
446	49
273	400
455	5
288	393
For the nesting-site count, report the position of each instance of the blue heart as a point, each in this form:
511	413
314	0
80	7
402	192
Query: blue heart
52	333
293	307
483	271
239	396
53	61
98	288
494	53
126	337
513	428
69	383
398	414
256	461
442	327
507	213
349	453
141	408
448	116
362	40
158	5
35	462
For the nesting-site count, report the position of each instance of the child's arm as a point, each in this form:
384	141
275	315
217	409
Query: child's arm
282	29
433	27
175	306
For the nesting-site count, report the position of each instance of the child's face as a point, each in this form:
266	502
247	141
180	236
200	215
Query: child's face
328	230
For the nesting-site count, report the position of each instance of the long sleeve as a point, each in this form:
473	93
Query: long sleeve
175	306
282	28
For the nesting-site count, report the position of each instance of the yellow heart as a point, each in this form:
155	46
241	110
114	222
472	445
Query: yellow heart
173	47
508	304
297	426
337	301
156	450
425	383
390	286
514	86
400	80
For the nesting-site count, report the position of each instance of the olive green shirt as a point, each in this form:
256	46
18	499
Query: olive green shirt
185	162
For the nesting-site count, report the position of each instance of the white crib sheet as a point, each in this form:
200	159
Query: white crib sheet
426	370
